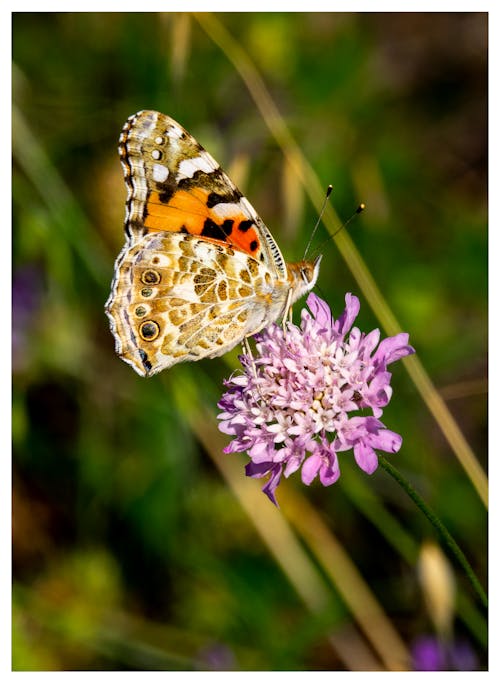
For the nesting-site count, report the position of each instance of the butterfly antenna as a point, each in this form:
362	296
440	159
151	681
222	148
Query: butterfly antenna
325	200
360	208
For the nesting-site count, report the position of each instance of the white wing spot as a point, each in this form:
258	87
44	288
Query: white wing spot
159	140
227	209
160	173
188	167
174	133
204	252
156	154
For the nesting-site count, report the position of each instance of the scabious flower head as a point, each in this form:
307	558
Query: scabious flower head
307	395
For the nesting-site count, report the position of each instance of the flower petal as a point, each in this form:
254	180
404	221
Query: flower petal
258	470
349	315
330	471
393	348
311	468
320	310
293	464
272	484
366	457
259	451
385	440
370	342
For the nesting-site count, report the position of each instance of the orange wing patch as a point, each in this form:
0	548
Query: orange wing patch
188	211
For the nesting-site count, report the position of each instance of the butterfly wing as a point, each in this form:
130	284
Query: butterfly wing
199	271
174	185
182	298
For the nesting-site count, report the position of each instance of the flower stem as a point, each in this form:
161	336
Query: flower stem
438	525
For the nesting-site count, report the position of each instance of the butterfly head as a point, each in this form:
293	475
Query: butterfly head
302	277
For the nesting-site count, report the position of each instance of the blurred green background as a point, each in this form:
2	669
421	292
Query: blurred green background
130	550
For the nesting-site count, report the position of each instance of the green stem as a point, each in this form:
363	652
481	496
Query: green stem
438	525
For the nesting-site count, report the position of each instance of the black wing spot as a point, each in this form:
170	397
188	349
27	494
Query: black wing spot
244	226
144	359
188	183
215	198
253	245
166	194
216	231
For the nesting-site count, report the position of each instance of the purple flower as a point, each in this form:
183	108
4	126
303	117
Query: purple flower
216	657
429	654
26	291
291	406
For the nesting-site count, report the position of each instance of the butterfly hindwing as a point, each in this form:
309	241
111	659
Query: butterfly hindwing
181	298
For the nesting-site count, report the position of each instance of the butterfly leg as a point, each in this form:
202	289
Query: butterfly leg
287	311
248	351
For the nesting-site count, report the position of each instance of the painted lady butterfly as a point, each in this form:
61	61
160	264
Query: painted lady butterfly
199	271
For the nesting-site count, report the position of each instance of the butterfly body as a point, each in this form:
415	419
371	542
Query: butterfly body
199	271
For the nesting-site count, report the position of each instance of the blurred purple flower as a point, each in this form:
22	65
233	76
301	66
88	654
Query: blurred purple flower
429	654
291	406
26	285
216	657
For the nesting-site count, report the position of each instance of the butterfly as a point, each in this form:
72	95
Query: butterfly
199	271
